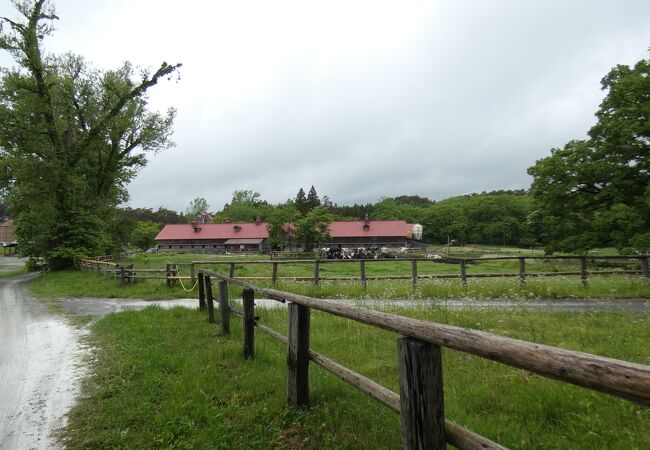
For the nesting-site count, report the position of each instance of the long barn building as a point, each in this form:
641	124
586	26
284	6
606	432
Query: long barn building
253	236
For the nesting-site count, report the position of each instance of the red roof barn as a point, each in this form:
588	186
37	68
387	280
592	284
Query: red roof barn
220	237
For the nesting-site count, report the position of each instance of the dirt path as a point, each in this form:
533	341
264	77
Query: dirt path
39	369
8	263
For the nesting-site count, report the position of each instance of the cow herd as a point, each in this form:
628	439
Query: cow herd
367	253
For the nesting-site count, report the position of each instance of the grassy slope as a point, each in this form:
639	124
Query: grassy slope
166	379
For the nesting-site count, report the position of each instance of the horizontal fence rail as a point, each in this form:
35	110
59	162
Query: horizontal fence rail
627	380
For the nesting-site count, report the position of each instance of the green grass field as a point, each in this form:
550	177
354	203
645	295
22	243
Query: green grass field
167	379
76	283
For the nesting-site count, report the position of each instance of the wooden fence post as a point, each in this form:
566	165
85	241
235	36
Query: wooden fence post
298	355
644	268
362	269
463	274
583	270
274	273
168	274
414	272
421	395
106	272
316	272
201	292
224	308
231	273
248	297
192	275
209	298
522	272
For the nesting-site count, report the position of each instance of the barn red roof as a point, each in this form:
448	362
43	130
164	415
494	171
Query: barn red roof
255	230
355	228
375	228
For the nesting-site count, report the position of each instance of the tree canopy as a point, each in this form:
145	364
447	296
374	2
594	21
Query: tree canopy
198	205
596	192
72	138
313	228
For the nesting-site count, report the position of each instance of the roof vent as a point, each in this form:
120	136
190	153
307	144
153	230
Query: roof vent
366	226
196	226
237	228
258	221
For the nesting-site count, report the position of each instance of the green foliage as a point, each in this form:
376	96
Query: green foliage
351	212
245	206
312	199
196	206
143	235
391	209
596	192
479	218
72	137
313	228
245	197
414	200
279	225
301	202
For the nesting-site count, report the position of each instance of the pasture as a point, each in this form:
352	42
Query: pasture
168	379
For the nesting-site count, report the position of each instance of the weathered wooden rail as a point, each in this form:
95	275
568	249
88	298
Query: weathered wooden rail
420	402
171	273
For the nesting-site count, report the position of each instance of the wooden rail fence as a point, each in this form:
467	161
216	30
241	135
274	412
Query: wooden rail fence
420	402
170	274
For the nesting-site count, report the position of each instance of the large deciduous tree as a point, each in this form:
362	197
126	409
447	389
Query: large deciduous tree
313	228
280	223
72	137
196	206
596	192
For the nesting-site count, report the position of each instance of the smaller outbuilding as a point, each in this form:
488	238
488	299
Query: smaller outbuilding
8	238
213	237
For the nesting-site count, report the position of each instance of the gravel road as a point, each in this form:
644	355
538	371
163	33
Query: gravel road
40	371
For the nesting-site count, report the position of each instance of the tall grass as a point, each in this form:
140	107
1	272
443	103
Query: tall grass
88	284
167	379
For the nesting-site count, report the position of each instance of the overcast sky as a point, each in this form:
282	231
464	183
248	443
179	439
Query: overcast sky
362	99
